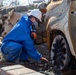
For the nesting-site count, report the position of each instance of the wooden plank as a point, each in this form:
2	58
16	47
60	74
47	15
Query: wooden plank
18	70
35	73
8	68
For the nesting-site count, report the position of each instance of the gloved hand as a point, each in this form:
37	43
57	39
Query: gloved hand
43	64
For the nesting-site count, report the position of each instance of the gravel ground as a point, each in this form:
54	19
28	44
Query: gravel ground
43	49
44	67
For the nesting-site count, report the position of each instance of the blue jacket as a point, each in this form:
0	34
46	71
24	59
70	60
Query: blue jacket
20	33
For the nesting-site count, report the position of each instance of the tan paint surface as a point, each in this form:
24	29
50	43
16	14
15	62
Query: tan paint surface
72	24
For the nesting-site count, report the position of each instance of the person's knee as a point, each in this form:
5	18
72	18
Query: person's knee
17	47
12	47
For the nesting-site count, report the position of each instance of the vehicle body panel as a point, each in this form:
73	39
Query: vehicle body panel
72	24
59	21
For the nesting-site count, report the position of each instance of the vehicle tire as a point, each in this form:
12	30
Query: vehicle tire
60	53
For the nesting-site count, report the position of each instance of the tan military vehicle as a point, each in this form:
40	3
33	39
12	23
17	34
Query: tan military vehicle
61	28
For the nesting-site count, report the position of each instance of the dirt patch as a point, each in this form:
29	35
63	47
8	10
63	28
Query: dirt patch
45	68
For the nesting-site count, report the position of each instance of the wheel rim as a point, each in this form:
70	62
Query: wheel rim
59	52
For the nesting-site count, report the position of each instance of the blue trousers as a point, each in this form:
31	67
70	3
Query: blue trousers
13	51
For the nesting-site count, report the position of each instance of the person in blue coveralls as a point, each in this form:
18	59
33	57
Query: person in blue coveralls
18	42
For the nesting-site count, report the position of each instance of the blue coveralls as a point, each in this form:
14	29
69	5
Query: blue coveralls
18	43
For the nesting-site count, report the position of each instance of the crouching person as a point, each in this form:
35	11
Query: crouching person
18	42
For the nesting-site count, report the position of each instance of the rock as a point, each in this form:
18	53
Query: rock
5	10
